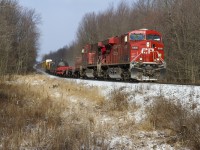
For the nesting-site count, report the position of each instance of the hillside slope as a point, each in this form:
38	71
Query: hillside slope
46	112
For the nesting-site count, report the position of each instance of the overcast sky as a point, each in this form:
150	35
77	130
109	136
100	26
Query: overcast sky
60	19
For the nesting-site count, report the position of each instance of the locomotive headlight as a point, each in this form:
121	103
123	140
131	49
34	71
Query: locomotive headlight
148	44
159	55
140	59
83	50
126	39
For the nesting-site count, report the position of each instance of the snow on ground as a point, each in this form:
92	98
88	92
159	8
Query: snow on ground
182	92
144	93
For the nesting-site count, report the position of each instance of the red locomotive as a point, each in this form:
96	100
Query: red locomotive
137	55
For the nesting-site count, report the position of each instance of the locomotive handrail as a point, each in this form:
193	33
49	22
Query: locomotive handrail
136	57
160	57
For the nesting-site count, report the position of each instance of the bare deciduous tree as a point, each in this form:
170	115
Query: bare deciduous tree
177	20
18	38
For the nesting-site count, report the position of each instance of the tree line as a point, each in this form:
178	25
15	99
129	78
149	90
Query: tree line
177	20
18	38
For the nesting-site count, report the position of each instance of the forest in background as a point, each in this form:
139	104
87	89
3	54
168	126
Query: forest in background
18	38
177	20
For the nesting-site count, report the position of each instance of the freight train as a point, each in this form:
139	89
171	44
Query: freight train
136	55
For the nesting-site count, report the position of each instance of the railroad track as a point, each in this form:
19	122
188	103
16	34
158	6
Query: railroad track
120	81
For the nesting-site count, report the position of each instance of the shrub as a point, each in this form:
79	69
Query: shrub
185	124
118	100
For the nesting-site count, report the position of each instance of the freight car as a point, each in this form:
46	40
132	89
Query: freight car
136	55
62	68
47	65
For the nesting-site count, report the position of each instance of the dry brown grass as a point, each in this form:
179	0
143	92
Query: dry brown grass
117	101
47	113
182	123
41	116
21	113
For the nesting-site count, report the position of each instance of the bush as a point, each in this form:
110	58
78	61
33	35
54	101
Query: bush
118	100
185	124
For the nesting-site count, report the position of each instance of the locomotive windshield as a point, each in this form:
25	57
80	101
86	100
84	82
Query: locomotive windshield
153	37
136	37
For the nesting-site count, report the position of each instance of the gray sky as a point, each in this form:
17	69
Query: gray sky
60	19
